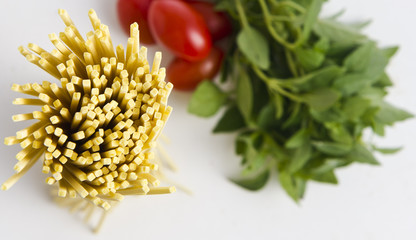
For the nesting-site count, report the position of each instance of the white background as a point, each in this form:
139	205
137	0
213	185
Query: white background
369	203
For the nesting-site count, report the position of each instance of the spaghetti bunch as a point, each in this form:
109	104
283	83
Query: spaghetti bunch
98	124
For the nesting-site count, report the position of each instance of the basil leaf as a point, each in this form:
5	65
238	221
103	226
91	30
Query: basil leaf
352	83
378	63
338	32
332	148
254	46
232	120
384	81
327	177
309	58
319	78
388	114
278	152
390	51
244	95
321	99
361	154
241	143
330	115
311	17
360	25
387	150
359	60
354	107
266	117
322	45
298	139
300	157
294	186
254	183
374	95
339	133
328	165
206	100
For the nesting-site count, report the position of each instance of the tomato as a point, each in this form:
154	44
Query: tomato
218	23
179	28
186	75
130	11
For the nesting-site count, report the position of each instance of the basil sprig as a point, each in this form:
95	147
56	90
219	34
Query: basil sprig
304	90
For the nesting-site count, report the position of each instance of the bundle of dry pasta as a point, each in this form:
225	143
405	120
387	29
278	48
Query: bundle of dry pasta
97	126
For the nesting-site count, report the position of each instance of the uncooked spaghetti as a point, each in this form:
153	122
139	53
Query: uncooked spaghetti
99	122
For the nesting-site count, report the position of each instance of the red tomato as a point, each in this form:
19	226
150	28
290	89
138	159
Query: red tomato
180	28
218	23
186	75
130	11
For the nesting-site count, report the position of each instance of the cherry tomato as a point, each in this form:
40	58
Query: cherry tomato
130	11
218	23
186	75
180	28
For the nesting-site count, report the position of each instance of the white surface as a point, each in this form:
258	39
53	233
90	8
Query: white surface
369	203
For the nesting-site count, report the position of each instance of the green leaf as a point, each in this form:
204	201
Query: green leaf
390	51
339	133
377	65
311	16
328	165
337	15
254	152
388	114
374	95
385	81
309	58
361	154
352	83
267	117
244	95
254	183
327	177
322	45
338	32
387	150
321	99
279	153
297	139
300	157
359	60
360	25
354	107
206	100
320	78
232	120
331	115
254	46
332	148
241	143
294	186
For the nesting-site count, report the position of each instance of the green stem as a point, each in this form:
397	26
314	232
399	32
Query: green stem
281	19
291	63
275	85
268	18
293	5
285	93
265	78
242	14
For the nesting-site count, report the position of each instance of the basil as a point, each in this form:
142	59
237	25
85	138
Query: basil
303	90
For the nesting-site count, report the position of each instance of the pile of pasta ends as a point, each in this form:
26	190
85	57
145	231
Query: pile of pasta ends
97	125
